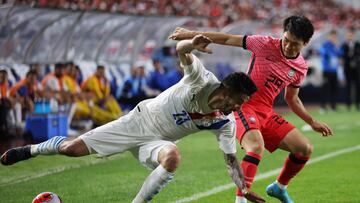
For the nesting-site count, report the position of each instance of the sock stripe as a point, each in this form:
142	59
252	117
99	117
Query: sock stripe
297	160
251	159
59	141
50	146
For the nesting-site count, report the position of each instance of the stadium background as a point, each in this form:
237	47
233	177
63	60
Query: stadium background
123	34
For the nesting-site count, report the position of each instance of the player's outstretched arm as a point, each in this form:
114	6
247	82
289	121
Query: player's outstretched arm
185	47
216	37
295	104
237	175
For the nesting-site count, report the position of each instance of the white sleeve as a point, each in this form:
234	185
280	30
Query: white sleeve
226	137
195	71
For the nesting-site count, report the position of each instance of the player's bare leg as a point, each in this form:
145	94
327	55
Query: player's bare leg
253	144
300	150
169	159
55	145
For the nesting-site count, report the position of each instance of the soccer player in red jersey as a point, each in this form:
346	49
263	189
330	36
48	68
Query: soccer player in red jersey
275	64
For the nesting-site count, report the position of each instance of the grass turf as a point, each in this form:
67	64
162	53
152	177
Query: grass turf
118	178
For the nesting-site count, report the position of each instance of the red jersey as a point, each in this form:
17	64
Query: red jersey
270	70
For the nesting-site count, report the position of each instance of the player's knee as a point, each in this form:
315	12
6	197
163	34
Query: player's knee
257	147
307	150
169	158
72	148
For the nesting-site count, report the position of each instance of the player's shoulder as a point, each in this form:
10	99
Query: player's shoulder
263	41
299	64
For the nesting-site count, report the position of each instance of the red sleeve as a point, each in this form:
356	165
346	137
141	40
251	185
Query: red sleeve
255	43
297	83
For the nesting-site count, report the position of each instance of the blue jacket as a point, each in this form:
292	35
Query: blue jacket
330	54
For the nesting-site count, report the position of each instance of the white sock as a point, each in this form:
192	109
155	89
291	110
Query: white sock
48	147
240	199
281	186
156	181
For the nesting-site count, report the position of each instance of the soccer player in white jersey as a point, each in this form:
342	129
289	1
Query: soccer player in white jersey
198	102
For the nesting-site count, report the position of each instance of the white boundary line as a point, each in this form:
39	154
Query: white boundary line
54	170
265	175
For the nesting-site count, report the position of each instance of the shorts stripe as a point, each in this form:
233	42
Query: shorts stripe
243	120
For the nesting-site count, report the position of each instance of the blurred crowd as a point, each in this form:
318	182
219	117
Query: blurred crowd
217	13
341	66
94	100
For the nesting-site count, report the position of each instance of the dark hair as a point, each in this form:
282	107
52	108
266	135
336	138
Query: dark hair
100	67
58	65
300	26
31	72
239	83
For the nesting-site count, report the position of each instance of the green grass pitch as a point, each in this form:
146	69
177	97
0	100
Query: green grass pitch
118	178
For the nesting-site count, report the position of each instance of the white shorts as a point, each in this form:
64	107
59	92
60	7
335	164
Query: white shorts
126	134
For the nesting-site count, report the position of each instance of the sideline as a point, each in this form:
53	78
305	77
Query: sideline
266	175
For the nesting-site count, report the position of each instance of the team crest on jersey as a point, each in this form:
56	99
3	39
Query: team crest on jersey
291	73
252	119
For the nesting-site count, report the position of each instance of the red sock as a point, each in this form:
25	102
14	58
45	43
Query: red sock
249	165
293	164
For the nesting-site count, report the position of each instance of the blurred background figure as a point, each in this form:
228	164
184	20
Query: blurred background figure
24	93
5	103
330	53
175	74
156	79
351	60
106	107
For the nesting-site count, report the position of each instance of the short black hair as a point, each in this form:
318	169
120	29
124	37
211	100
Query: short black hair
239	83
59	65
100	67
30	73
300	26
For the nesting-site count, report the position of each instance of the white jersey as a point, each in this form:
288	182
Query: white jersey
183	109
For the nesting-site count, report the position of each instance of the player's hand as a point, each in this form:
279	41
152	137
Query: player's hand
252	196
179	34
200	42
322	128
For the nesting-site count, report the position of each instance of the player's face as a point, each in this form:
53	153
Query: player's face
291	45
233	103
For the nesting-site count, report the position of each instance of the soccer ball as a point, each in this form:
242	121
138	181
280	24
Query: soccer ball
47	197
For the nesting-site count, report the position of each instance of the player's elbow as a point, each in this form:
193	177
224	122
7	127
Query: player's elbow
183	46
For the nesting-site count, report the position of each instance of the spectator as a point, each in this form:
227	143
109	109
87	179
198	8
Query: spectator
351	58
156	78
23	93
330	53
129	91
4	83
99	86
5	103
144	90
174	75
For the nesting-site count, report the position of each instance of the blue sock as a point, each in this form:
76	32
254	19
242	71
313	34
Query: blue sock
48	147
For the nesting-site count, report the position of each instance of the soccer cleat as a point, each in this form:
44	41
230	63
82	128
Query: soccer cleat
274	190
17	154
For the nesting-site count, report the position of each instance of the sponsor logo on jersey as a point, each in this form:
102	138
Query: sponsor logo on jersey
291	73
252	119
